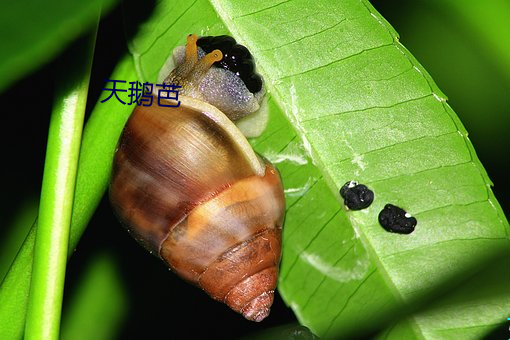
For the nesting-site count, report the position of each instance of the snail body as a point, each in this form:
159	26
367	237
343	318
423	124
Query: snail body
189	187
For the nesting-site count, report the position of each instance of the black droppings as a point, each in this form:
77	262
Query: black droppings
356	196
236	58
396	220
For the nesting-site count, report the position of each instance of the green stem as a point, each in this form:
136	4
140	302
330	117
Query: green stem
100	137
57	195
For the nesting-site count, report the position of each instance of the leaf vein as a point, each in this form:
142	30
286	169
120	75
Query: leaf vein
368	108
435	243
347	301
262	10
398	144
450	205
335	61
311	295
418	172
304	37
309	242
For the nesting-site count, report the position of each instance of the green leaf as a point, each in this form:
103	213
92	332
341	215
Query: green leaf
17	231
98	305
57	192
474	16
32	33
361	107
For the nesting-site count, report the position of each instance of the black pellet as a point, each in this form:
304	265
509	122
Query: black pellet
356	196
396	220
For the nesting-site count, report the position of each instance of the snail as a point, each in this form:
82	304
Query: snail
188	186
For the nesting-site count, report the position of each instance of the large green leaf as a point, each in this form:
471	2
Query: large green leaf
361	107
347	102
31	33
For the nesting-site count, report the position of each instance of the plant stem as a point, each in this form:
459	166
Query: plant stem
57	195
101	134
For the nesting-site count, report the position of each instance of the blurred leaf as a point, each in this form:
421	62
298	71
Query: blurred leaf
475	16
98	145
99	303
51	246
32	32
362	108
16	232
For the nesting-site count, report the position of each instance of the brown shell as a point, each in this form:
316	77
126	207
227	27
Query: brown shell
192	193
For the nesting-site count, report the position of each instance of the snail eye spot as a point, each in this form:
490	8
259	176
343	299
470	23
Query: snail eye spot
396	220
356	196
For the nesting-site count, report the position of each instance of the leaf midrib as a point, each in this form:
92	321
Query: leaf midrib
317	160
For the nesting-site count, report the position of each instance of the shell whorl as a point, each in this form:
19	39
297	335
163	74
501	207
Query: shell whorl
190	193
239	233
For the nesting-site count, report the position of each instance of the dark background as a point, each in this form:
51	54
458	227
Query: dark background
159	302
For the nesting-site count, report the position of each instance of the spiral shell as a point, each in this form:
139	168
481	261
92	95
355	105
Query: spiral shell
188	186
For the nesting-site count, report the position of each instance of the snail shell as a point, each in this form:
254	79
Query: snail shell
189	187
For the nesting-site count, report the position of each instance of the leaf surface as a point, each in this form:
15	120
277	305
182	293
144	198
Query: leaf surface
348	101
